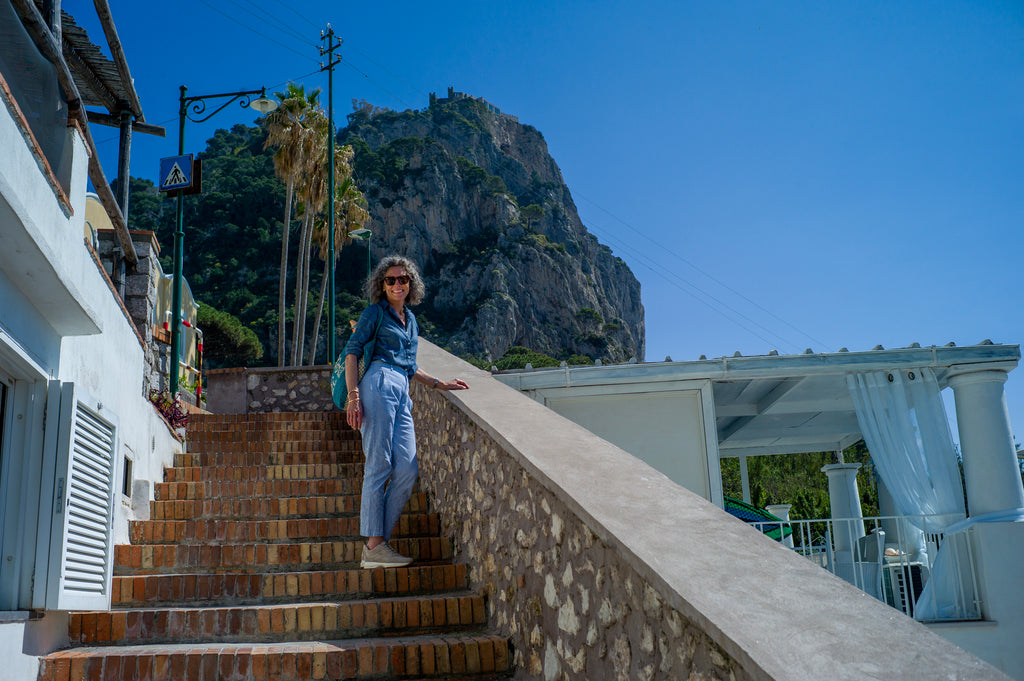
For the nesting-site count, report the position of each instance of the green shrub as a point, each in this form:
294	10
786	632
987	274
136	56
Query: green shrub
587	314
517	357
226	341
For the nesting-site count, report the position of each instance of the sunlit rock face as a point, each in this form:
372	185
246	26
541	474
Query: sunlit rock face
476	199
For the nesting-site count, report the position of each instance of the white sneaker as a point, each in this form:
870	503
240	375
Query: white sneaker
382	556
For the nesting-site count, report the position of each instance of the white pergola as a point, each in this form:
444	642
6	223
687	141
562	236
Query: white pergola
786	404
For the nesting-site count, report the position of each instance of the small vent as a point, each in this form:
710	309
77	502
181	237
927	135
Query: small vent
126	477
88	504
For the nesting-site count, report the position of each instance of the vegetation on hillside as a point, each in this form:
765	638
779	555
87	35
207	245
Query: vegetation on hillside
797	479
241	262
233	240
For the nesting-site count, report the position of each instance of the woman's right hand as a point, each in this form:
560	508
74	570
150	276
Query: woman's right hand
354	411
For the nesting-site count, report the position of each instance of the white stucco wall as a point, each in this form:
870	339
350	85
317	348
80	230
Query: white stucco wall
60	317
999	552
665	426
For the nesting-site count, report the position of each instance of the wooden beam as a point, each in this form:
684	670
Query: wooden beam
46	43
782	389
83	71
117	52
777	393
101	118
103	191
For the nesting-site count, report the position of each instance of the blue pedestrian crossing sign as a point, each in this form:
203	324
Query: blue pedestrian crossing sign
175	173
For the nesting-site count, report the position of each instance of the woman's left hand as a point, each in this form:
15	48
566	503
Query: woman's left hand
454	384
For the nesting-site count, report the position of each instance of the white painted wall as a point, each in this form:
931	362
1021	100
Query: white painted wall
999	553
59	316
665	429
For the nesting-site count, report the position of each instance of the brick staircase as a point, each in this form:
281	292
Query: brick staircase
249	570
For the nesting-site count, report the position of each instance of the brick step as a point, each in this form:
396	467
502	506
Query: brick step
234	531
292	507
263	558
308	621
274	489
204	431
448	656
243	589
326	423
263	472
305	419
254	456
280	440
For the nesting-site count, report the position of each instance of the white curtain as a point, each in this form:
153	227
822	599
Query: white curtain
903	421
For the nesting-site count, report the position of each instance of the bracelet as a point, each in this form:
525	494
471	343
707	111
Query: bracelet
352	399
435	384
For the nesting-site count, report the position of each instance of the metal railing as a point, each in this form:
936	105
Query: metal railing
893	559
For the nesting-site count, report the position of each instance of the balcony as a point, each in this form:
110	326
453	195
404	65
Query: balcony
890	558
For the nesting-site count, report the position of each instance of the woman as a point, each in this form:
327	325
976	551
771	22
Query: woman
380	406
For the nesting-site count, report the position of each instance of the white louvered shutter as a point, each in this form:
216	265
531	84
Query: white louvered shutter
81	549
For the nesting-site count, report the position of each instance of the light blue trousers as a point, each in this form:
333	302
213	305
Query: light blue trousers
389	444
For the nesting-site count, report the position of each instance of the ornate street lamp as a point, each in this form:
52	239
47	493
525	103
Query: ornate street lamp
194	109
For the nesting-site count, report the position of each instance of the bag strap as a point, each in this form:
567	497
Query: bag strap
380	320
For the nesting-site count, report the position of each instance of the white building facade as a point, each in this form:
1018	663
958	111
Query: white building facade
79	442
683	417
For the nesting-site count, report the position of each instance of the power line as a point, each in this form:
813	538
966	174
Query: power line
296	13
661	246
169	121
419	90
259	33
273	21
668	275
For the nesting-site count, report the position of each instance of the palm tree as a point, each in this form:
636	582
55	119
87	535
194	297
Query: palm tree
313	192
350	214
286	130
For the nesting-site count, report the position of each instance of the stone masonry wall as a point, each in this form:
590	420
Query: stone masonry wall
269	389
289	389
574	608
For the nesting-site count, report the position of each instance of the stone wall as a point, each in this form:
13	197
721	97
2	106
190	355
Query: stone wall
575	609
269	389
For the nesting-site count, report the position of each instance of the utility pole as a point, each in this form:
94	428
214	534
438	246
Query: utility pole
333	43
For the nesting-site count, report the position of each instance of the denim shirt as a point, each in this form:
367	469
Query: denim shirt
396	343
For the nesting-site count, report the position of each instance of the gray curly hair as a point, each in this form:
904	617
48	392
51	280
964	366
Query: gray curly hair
374	287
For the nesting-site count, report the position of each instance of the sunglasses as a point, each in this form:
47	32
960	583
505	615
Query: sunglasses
391	281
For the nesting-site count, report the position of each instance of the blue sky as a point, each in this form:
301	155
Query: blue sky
777	175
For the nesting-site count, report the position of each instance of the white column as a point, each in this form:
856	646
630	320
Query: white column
744	479
845	501
781	511
986	442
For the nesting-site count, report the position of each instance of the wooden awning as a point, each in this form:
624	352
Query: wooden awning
88	78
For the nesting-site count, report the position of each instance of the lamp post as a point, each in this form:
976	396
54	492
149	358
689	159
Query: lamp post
363	234
194	109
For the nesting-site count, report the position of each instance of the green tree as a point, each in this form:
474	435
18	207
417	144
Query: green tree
797	479
312	191
531	214
226	341
287	131
350	214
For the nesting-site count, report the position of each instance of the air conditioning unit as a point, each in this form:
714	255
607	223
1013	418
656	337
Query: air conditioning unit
903	585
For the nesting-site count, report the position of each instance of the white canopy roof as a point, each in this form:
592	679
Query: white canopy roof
778	404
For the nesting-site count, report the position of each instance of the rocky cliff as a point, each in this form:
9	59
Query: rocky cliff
474	197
